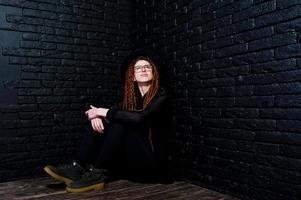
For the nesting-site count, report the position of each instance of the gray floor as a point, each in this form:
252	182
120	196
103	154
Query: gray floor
47	188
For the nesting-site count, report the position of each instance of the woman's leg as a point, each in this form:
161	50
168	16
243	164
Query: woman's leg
139	154
109	151
125	149
112	150
90	146
87	151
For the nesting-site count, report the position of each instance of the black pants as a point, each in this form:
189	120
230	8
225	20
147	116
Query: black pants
120	148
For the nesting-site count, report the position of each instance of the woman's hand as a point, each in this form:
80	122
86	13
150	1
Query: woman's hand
95	112
97	125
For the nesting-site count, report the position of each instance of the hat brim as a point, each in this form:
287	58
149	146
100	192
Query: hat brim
134	55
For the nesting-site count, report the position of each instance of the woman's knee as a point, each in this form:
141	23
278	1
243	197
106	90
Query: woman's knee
114	127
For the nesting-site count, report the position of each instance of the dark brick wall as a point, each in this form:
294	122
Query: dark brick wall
233	73
57	57
235	68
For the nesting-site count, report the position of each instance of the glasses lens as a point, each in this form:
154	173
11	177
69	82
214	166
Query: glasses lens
139	68
148	67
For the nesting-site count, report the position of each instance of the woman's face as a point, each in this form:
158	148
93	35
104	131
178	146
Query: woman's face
143	71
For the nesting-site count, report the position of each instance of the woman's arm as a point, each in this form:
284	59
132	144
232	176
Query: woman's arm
95	112
137	116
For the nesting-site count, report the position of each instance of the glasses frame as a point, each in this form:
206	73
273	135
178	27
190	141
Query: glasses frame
139	68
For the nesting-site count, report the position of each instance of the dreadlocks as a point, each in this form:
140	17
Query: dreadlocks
129	100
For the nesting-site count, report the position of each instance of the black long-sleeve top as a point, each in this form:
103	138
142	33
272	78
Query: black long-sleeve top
154	119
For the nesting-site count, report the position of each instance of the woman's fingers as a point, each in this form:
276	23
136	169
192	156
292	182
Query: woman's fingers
98	121
93	125
101	124
97	125
92	113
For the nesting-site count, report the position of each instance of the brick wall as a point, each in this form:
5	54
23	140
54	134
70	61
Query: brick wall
235	68
56	58
233	73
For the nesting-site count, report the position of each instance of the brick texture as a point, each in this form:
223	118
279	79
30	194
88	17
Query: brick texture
57	57
233	72
235	82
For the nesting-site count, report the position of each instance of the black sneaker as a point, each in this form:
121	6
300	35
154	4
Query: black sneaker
65	173
93	179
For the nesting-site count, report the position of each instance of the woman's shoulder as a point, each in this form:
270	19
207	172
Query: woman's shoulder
161	91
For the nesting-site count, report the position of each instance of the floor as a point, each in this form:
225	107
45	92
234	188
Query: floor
47	188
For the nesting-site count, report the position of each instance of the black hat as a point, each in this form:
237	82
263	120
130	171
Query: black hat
137	53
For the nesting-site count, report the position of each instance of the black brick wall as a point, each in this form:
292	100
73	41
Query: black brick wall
233	72
57	57
235	79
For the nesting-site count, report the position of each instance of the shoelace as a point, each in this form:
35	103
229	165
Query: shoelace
92	173
67	166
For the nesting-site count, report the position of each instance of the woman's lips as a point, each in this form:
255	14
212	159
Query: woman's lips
144	75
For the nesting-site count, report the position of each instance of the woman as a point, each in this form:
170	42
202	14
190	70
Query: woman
132	137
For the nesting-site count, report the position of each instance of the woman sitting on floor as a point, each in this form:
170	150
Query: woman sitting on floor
132	135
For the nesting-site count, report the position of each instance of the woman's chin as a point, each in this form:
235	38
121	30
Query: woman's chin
147	81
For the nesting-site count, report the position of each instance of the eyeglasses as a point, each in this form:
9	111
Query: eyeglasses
139	68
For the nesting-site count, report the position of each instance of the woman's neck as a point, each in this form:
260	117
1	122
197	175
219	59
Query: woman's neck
143	87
